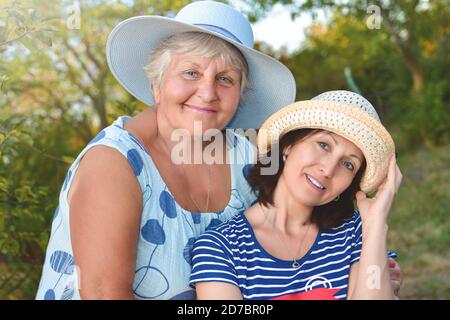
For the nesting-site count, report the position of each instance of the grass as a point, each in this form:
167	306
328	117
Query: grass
419	225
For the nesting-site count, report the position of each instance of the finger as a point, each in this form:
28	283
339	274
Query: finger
360	196
392	263
391	175
396	285
398	178
395	274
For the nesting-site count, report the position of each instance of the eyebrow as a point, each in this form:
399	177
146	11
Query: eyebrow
351	155
222	72
193	63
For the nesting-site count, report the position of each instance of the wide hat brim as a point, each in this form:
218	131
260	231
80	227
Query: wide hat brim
131	41
346	120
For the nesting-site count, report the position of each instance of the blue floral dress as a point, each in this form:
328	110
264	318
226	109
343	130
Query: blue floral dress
167	231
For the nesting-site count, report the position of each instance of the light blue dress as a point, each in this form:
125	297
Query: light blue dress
167	231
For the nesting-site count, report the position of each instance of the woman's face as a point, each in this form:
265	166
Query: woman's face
320	167
199	89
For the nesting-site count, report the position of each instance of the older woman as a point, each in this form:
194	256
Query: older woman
304	239
130	208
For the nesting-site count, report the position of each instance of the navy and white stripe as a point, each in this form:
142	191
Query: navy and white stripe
230	253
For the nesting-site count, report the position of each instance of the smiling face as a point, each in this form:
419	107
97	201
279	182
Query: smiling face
194	88
320	167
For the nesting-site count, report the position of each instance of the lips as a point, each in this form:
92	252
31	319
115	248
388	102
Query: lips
314	182
200	109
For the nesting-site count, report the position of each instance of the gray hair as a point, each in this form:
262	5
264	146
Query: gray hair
197	43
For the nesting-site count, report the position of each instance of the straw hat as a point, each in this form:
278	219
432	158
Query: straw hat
345	113
131	41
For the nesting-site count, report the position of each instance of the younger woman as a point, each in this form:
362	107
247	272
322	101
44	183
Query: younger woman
303	239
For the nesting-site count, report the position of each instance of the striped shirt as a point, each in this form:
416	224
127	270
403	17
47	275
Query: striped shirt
231	253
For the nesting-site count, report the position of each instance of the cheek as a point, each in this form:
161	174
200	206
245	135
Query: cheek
292	173
176	91
344	181
230	99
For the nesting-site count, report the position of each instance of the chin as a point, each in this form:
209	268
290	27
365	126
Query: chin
309	200
198	131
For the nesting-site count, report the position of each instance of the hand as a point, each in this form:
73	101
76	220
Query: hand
396	275
380	205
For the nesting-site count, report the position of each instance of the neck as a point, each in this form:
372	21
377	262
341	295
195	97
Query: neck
289	215
183	145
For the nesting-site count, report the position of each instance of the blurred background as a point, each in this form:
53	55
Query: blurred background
56	93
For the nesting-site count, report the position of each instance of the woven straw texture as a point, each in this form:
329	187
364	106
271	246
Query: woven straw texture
355	123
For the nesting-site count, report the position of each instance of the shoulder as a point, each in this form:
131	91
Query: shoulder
144	126
349	226
226	233
230	227
104	174
102	159
353	222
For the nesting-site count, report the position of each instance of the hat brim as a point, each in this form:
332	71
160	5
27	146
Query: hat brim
348	121
131	41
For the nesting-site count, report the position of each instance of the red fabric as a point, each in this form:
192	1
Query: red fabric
315	294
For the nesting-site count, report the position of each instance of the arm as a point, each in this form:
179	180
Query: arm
395	273
213	271
217	291
105	210
370	278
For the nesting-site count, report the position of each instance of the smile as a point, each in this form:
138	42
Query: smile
200	109
316	184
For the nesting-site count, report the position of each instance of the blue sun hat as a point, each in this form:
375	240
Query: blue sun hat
131	41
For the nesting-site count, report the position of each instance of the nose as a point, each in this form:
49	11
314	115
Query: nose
328	166
207	90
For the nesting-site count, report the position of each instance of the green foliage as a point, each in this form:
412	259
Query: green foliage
419	225
426	118
23	23
56	92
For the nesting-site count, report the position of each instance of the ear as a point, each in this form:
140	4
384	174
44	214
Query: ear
287	150
156	90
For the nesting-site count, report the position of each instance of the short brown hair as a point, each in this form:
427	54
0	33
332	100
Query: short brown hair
327	216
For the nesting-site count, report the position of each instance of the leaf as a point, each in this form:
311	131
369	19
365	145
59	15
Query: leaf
44	38
53	17
68	159
18	15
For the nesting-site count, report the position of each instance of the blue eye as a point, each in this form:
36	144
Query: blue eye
191	74
225	80
323	145
348	165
